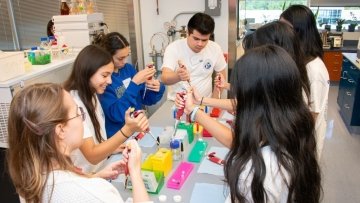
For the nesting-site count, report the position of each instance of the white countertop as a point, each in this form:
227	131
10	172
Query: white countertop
163	117
352	57
38	70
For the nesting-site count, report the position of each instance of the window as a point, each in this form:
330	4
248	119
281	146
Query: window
329	15
31	18
270	10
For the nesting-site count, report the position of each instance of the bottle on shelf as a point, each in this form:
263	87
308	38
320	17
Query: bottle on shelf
81	7
44	43
90	6
64	8
74	10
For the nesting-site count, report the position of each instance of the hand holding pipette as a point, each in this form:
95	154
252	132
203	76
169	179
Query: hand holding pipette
141	134
183	73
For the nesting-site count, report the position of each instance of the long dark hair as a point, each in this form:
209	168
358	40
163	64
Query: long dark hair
89	60
304	23
112	42
49	28
281	34
270	111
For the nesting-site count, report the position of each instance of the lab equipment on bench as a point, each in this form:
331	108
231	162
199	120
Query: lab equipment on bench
79	30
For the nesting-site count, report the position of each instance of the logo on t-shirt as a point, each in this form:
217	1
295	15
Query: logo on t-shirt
120	91
207	64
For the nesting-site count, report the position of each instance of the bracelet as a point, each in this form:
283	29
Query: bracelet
202	98
123	133
193	114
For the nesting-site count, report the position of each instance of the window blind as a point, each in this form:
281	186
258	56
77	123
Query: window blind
115	15
6	40
31	18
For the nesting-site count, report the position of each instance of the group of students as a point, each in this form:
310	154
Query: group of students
59	135
279	90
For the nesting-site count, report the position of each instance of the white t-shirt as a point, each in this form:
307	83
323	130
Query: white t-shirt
70	187
274	184
200	65
319	91
77	156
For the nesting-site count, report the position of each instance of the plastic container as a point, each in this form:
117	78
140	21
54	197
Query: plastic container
198	151
59	53
11	65
175	149
160	161
52	41
39	57
152	186
190	130
44	43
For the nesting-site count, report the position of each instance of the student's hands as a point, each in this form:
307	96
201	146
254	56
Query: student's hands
132	156
220	82
119	149
145	74
196	95
153	85
187	102
182	72
112	171
138	124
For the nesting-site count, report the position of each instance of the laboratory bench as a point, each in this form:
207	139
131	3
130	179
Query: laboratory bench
164	117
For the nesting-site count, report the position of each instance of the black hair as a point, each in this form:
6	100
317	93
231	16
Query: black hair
202	23
111	42
270	112
247	42
281	34
49	28
304	23
86	64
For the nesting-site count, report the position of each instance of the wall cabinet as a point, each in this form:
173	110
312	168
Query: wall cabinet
349	92
333	61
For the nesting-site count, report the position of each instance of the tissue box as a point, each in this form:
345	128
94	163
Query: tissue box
11	65
39	57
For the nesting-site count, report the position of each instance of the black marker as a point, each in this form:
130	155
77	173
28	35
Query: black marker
158	140
182	150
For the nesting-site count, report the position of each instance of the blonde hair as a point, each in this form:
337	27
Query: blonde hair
34	113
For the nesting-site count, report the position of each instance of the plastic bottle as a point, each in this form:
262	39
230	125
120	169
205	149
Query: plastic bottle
81	7
175	149
74	8
89	7
44	43
64	8
52	41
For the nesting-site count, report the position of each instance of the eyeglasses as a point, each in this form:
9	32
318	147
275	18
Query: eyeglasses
82	114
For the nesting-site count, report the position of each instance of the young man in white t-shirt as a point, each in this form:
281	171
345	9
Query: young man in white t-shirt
193	60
